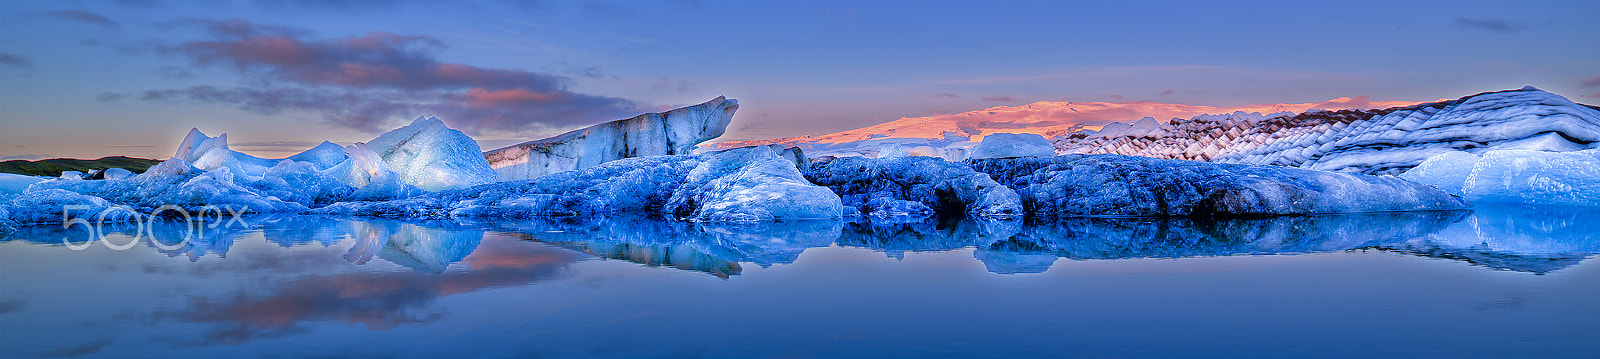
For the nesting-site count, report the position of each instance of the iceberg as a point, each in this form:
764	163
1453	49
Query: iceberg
433	157
15	184
205	174
674	132
1007	145
737	185
915	186
1515	176
1116	185
750	184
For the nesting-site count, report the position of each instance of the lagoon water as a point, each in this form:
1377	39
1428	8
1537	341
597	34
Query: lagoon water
1495	282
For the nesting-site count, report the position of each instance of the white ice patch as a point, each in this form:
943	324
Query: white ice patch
1515	176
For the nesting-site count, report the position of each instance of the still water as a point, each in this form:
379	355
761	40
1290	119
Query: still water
1495	282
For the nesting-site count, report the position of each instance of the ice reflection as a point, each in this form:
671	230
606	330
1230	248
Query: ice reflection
716	249
1529	239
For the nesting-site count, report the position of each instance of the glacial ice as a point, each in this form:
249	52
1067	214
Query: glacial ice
750	184
674	132
1515	176
737	185
15	183
1007	145
112	174
1382	141
913	186
205	173
433	157
1116	185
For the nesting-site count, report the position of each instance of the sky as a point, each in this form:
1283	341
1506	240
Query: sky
87	79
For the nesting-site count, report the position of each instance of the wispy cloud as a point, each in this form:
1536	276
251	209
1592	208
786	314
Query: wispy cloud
10	59
947	95
365	82
1492	25
29	157
1592	81
84	17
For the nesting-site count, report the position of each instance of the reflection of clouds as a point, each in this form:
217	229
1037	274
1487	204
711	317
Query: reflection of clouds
379	301
78	350
12	306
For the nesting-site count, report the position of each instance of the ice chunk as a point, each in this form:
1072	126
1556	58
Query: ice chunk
1516	176
1446	171
1116	185
210	153
175	182
940	185
750	184
365	170
1006	145
324	156
57	206
673	132
433	157
113	174
15	183
746	184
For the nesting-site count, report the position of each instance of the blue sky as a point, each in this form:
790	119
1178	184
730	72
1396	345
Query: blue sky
95	78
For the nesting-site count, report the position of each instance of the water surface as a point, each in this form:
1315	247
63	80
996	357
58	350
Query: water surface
1496	282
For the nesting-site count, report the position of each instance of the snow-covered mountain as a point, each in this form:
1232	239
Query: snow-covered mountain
1383	141
949	135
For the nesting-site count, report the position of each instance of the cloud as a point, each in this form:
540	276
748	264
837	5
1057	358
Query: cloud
1491	25
10	59
109	97
999	99
79	350
1592	81
12	306
947	95
84	17
365	82
601	9
1167	92
347	6
665	84
140	3
28	157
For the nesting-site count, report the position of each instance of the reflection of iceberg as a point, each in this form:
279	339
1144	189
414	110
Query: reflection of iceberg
931	234
1521	239
288	231
425	249
704	247
681	256
172	237
1537	239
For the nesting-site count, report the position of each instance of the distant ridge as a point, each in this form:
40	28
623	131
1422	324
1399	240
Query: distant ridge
53	167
